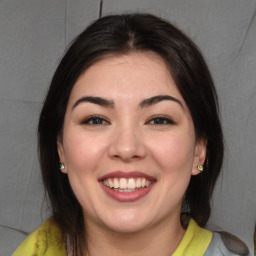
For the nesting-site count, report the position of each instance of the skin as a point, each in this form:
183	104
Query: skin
128	137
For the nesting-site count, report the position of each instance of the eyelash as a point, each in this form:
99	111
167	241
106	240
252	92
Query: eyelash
99	120
161	120
95	120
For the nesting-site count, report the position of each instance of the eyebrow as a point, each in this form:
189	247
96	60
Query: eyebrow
156	99
110	103
95	100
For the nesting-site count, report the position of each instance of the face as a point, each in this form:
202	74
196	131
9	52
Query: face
128	143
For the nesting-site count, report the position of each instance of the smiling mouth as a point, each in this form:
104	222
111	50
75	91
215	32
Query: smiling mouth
127	185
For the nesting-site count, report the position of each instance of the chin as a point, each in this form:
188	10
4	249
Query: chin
128	222
127	227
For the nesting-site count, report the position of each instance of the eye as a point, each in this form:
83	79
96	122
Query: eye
160	120
95	120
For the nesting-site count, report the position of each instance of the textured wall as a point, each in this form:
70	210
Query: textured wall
34	34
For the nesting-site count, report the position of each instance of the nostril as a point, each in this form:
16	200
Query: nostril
127	145
127	156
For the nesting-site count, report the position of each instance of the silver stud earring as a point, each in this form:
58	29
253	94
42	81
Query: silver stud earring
200	168
62	166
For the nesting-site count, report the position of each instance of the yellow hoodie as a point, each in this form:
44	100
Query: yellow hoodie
48	240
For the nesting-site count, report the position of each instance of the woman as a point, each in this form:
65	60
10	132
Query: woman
130	146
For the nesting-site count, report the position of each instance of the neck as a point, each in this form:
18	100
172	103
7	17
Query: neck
161	240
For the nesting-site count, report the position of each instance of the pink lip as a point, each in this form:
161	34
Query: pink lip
126	196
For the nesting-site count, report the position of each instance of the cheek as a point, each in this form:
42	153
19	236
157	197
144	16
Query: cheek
174	157
174	152
83	155
83	152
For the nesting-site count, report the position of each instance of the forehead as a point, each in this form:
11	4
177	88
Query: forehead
136	75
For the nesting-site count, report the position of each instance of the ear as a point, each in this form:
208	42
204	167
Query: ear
200	154
61	154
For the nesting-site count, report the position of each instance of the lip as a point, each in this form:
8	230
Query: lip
126	196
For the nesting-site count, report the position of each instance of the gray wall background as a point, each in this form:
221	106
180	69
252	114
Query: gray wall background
33	36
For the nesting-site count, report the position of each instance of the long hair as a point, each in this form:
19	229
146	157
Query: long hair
112	35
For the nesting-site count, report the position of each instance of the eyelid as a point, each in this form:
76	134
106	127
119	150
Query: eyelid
169	120
86	120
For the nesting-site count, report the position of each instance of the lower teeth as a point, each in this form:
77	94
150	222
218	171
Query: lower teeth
124	190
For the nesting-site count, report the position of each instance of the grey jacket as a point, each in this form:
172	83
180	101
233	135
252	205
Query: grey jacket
226	244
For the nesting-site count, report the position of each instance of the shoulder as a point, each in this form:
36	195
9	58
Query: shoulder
46	240
195	241
226	244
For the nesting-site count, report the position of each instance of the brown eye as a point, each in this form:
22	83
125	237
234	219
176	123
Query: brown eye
161	120
95	120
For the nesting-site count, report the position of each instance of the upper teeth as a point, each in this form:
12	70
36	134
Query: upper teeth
124	183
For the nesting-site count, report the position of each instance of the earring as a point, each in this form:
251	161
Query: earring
61	167
200	168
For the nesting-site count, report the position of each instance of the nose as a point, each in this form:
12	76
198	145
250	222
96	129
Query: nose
127	144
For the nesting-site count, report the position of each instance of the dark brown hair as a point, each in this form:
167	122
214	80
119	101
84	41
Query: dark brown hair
122	34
